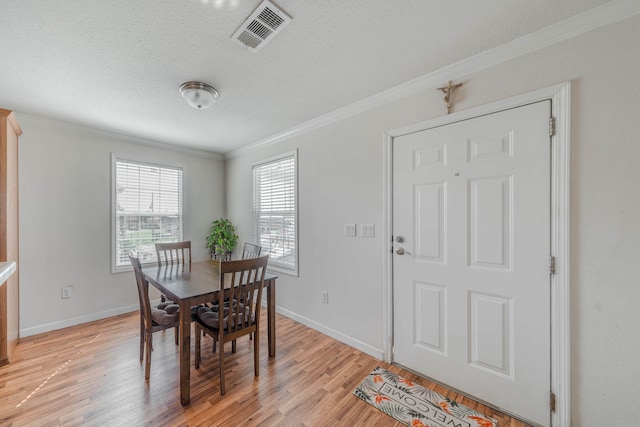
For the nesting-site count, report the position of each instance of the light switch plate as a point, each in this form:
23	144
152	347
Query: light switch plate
367	230
350	230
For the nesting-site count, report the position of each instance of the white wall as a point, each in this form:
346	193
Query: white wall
340	181
65	222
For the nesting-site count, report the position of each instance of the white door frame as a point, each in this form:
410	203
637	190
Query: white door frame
560	96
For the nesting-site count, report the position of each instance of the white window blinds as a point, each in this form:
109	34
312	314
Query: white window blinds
275	212
147	209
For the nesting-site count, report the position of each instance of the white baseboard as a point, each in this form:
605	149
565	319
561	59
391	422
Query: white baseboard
40	329
363	347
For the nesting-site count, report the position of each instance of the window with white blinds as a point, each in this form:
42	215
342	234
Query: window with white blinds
275	216
147	208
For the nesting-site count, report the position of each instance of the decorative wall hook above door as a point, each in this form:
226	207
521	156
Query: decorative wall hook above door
448	94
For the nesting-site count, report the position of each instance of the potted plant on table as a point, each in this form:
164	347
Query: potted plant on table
222	239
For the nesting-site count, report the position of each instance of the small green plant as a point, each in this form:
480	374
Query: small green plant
222	237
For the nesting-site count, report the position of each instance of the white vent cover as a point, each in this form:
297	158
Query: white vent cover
261	26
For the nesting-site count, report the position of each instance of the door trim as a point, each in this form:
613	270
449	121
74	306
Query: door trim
560	96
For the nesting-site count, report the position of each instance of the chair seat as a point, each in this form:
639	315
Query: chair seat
165	314
210	316
168	306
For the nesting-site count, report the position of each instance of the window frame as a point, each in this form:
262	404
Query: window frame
254	223
115	158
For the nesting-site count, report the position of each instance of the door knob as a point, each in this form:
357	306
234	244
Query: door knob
399	239
401	251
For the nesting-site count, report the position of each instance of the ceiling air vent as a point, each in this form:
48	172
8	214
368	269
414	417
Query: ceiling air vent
261	26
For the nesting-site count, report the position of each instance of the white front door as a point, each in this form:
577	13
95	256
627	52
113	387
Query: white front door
471	292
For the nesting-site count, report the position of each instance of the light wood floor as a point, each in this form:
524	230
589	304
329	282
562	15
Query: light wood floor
90	375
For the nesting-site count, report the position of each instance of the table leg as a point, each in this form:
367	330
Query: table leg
271	317
185	353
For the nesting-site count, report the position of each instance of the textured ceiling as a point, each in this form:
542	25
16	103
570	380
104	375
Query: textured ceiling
116	65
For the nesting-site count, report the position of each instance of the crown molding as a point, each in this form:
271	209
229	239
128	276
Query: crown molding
62	126
598	17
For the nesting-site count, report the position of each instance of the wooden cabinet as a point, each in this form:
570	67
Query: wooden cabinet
9	290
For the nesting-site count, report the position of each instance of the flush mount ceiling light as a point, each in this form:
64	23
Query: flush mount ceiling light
199	95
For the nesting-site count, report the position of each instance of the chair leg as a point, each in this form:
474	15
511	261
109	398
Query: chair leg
177	334
142	332
233	346
221	366
147	367
256	354
197	355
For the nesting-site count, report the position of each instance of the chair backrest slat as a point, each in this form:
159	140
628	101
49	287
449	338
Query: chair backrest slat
249	250
174	253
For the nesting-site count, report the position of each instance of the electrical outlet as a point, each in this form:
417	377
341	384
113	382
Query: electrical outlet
325	297
350	230
66	292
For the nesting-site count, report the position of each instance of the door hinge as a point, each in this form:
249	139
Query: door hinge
552	126
552	402
552	265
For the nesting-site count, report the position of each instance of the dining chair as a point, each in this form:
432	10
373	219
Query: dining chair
173	253
249	250
238	310
152	319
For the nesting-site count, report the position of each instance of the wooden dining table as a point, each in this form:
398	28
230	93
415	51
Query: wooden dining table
195	285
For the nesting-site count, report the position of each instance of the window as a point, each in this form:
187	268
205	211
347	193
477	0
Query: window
146	208
275	216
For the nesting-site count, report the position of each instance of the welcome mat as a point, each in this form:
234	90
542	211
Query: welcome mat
414	405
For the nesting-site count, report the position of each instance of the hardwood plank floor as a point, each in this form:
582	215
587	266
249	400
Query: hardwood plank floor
90	375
